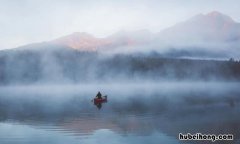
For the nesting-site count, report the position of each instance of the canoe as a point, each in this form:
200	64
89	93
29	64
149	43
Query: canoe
103	100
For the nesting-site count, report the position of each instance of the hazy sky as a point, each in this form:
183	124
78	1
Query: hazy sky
28	21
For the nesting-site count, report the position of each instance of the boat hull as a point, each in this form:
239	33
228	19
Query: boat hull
103	100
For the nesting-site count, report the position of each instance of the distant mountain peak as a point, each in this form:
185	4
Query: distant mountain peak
203	28
76	36
212	16
214	13
81	41
219	16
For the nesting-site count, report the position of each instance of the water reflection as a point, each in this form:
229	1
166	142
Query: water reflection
138	115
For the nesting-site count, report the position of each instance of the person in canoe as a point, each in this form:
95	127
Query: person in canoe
99	95
99	99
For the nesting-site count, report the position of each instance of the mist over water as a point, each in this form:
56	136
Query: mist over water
134	112
67	66
46	97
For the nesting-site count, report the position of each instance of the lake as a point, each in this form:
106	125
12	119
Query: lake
150	113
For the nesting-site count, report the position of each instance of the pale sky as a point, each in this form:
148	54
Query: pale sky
28	21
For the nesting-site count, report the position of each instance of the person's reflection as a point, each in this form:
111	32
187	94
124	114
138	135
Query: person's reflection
99	105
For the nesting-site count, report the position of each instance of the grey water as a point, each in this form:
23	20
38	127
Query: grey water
135	113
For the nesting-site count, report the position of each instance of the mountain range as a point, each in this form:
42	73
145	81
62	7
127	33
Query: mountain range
213	27
214	33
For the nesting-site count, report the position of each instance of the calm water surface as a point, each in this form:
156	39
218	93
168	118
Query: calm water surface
135	113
